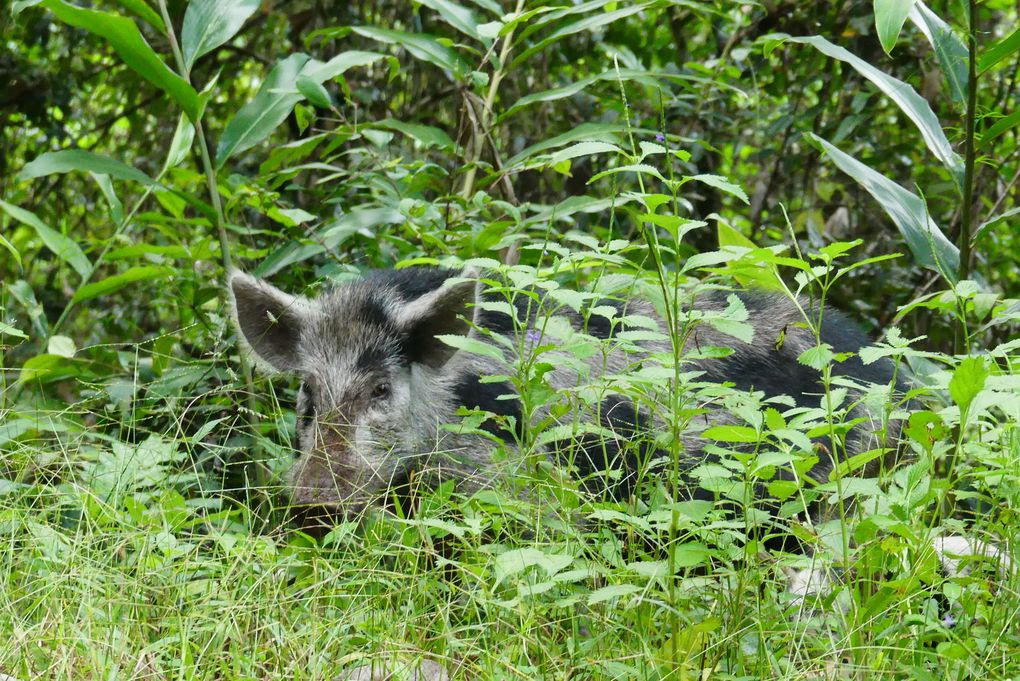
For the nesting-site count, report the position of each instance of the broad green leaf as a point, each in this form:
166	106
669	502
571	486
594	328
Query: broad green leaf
889	18
458	16
907	211
818	357
731	434
210	23
427	135
950	50
608	593
722	184
1004	49
911	103
119	281
424	47
759	277
62	247
62	346
128	43
258	118
968	380
77	159
514	561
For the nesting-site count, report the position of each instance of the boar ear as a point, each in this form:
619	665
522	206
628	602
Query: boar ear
448	310
269	319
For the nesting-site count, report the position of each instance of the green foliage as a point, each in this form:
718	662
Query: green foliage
578	149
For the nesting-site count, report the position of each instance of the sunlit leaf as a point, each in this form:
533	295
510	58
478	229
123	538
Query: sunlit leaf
210	23
889	18
128	43
458	16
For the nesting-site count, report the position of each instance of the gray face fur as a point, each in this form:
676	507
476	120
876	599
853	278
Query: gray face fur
375	384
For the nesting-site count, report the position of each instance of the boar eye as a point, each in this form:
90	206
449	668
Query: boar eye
381	391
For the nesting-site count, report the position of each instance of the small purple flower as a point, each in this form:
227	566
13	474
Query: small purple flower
659	137
949	620
532	336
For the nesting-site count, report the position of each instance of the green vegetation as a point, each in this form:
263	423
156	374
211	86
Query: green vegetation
864	154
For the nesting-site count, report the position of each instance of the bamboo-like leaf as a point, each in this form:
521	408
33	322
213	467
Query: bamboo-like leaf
78	159
210	23
458	16
123	36
424	47
889	18
908	212
1002	125
905	97
949	49
119	281
62	247
320	72
258	118
1001	50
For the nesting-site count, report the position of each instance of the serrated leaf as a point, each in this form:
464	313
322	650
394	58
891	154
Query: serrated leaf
78	159
210	23
889	18
818	357
119	281
583	149
907	211
65	249
639	168
124	37
723	184
514	561
968	381
905	97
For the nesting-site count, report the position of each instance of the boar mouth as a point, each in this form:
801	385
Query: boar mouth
316	517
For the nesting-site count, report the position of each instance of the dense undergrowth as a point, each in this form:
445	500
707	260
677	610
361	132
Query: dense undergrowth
652	149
